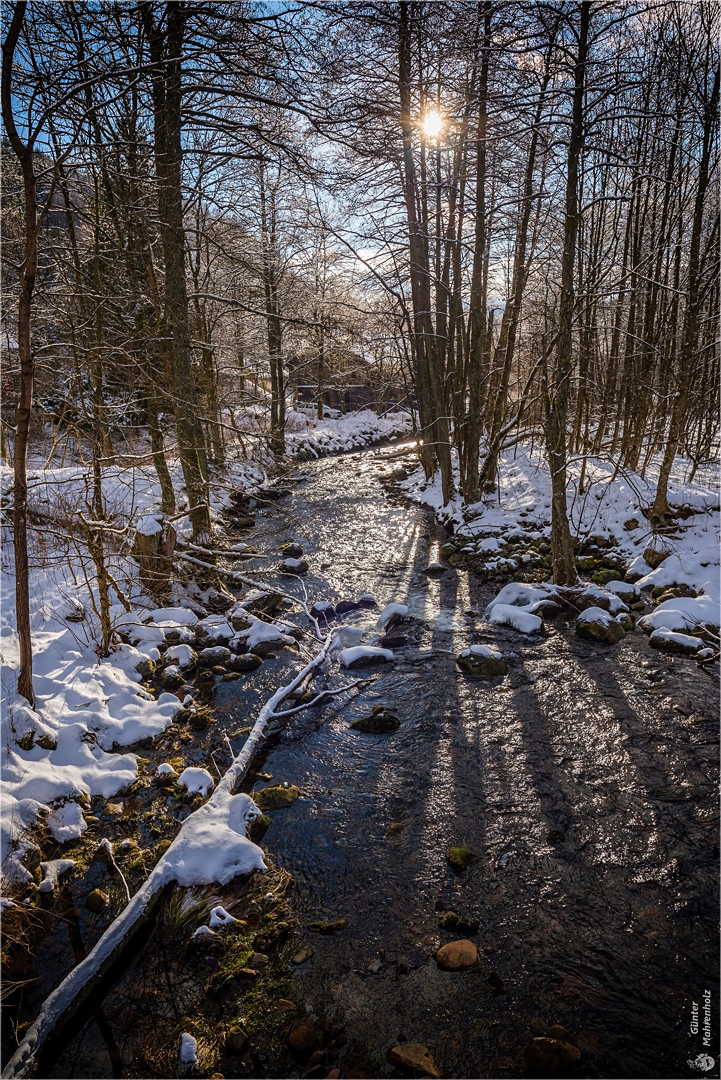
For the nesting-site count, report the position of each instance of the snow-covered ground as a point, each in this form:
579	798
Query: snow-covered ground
56	756
610	505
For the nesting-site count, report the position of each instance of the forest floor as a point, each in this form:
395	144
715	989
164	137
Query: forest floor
581	783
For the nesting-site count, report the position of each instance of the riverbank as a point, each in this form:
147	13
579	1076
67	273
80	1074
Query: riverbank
580	782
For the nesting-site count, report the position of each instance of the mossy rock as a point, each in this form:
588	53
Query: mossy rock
458	924
395	828
328	926
550	1057
198	721
291	551
586	563
146	668
379	721
602	577
460	857
96	901
482	667
271	936
27	741
302	955
606	630
47	742
275	797
258	827
245	663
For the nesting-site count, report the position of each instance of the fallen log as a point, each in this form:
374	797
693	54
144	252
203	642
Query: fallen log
65	1001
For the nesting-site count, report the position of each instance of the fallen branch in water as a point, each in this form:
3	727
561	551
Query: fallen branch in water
87	976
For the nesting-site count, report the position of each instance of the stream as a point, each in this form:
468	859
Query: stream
609	930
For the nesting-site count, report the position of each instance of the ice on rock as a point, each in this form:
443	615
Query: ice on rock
197	781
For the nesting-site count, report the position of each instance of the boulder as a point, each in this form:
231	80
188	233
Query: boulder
631	524
655	554
670	641
146	668
323	610
328	926
345	606
435	569
602	577
460	857
302	955
172	677
262	601
96	901
379	721
217	654
243	664
457	924
597	625
276	796
413	1058
550	1057
294	566
482	662
393	641
236	1040
457	956
301	1042
291	551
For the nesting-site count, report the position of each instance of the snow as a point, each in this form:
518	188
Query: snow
197	781
204	932
623	588
164	768
220	917
181	655
389	611
356	652
188	1049
322	437
173	616
216	628
212	847
66	822
52	871
683	613
509	615
260	632
482	650
520	594
150	525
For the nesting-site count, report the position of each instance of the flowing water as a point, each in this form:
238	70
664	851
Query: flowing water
609	930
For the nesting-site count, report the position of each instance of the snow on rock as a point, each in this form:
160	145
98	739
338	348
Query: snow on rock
345	636
322	437
66	822
164	769
595	596
521	594
182	655
212	847
363	654
204	932
71	609
508	615
52	871
261	632
176	616
670	641
197	781
482	650
220	917
388	612
674	570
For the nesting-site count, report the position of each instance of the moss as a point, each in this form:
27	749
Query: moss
276	796
460	857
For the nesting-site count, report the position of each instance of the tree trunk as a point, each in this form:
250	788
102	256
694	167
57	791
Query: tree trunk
165	53
27	274
564	570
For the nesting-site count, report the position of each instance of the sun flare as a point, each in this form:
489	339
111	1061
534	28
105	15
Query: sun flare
432	124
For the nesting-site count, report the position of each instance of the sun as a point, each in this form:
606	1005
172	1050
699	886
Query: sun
432	124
